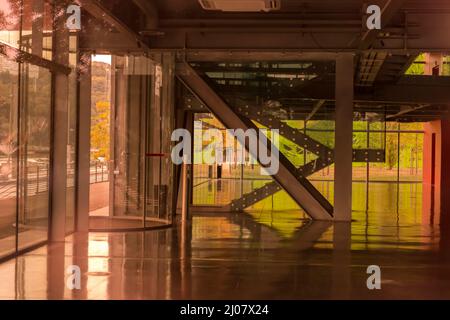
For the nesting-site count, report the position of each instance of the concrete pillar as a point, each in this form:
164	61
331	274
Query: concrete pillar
436	151
343	138
60	129
84	143
436	174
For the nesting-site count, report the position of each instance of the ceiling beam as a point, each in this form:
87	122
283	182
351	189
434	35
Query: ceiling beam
409	90
99	11
388	11
256	55
257	38
150	10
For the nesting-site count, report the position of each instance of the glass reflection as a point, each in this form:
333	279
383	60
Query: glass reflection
10	22
8	154
72	137
35	126
37	27
132	134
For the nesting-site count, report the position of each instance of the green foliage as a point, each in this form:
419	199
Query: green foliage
100	131
101	111
417	67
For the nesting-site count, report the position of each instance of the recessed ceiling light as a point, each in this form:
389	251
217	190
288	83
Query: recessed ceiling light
241	5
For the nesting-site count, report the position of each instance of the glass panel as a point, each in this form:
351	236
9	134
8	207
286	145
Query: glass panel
430	63
101	115
411	152
8	154
218	185
385	171
446	65
141	127
34	155
10	22
153	162
37	28
72	138
272	95
165	81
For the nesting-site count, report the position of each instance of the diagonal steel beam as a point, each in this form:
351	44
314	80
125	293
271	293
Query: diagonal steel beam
286	131
300	189
316	108
325	159
306	142
406	110
271	188
310	168
99	11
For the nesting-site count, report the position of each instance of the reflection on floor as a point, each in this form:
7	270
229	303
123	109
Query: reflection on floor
403	199
259	255
232	257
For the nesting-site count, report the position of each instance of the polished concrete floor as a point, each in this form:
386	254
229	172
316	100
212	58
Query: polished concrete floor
242	256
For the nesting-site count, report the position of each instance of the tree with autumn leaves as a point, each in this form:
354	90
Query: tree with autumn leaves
100	134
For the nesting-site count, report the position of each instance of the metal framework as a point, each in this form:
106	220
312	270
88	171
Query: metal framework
309	30
298	187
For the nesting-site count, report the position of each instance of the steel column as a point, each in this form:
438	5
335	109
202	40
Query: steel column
60	132
343	155
84	144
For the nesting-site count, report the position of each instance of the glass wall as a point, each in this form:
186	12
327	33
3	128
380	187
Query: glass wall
9	84
142	120
397	175
26	125
436	64
34	155
159	127
25	142
218	185
272	95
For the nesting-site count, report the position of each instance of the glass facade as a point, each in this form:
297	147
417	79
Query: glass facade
9	86
25	153
26	129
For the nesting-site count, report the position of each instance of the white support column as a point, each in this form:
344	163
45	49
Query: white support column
343	154
84	143
60	129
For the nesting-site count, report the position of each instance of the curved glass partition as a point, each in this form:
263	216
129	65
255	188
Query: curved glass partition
137	164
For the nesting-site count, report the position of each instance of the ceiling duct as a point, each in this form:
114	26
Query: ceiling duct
241	5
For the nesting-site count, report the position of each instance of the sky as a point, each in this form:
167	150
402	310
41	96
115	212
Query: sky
102	58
